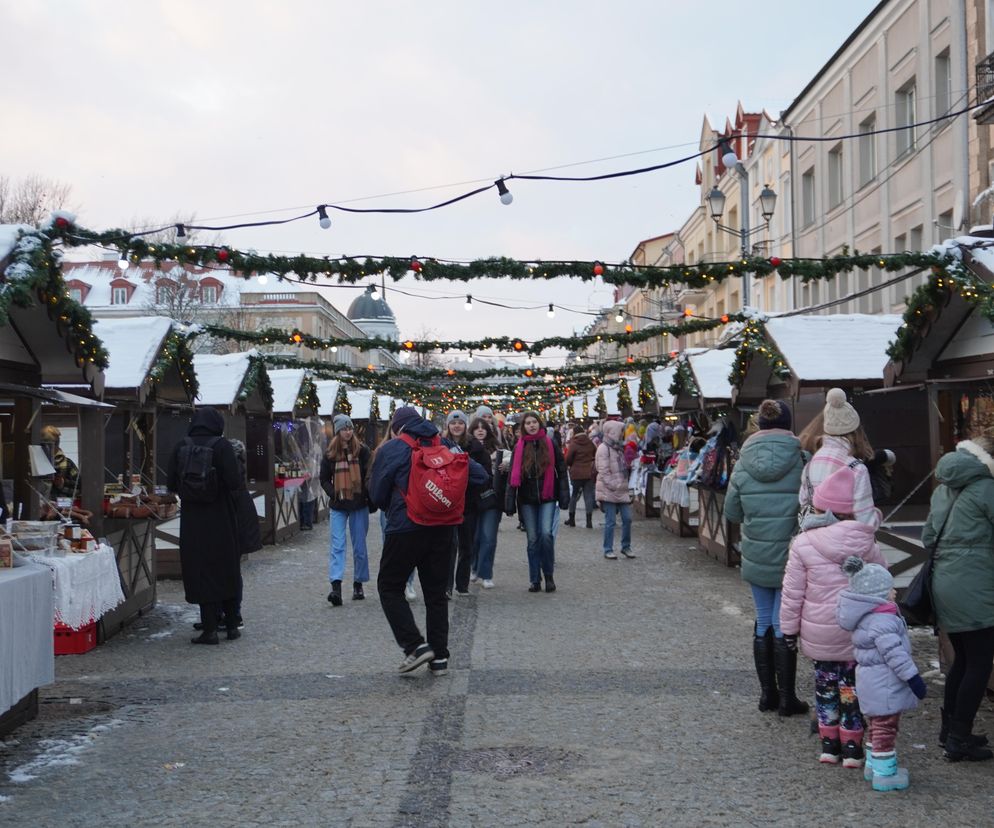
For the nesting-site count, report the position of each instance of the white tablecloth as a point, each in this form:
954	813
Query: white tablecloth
672	490
27	657
86	585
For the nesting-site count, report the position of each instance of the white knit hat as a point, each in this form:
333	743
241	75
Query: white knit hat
840	417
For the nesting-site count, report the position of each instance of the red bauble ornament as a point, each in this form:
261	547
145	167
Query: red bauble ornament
222	255
62	222
415	264
598	269
775	261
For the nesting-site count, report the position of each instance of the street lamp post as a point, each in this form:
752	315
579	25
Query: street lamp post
716	206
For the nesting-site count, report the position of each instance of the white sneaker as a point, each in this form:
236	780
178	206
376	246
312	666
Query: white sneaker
410	593
474	578
488	584
422	655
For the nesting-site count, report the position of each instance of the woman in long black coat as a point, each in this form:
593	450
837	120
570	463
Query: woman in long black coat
208	532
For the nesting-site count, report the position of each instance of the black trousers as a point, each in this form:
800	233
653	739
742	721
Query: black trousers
967	680
585	488
427	550
211	613
461	557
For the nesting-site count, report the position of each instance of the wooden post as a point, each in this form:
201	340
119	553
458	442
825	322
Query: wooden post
934	426
26	432
91	464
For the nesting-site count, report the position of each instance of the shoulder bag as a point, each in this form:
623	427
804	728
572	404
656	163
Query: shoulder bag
917	605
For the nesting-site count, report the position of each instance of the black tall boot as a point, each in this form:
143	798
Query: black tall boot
961	744
978	739
762	653
786	667
571	520
335	596
590	521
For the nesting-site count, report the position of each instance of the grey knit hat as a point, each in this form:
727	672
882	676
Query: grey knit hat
867	579
341	421
456	415
483	411
840	417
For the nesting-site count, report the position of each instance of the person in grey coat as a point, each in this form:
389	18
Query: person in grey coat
887	680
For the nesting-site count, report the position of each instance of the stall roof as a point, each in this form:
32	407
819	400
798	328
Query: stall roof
327	394
711	370
835	347
662	379
51	395
221	376
287	383
133	345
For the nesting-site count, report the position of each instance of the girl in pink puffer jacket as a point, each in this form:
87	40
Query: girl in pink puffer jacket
812	584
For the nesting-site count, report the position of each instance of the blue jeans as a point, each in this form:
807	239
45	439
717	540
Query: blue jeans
767	601
610	511
486	542
540	521
357	523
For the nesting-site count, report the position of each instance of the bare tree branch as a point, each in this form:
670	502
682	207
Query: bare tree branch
30	199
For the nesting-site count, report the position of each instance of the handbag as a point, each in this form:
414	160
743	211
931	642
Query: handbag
917	605
487	500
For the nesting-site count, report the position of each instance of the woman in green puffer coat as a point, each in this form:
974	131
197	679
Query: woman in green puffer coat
762	496
963	586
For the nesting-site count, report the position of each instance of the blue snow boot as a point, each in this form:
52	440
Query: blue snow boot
887	776
868	762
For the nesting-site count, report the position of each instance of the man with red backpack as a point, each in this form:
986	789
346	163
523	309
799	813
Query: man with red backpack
421	486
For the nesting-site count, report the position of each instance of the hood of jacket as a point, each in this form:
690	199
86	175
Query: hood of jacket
206	422
581	439
853	607
613	430
840	540
770	454
421	429
959	468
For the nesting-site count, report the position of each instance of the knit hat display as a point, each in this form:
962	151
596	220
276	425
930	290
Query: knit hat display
341	421
867	579
484	411
403	417
456	415
840	417
773	414
835	492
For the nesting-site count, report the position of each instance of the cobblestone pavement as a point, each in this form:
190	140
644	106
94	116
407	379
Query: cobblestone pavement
627	698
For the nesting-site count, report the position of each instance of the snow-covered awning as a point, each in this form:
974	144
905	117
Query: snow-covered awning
287	384
327	393
711	369
662	379
132	346
222	376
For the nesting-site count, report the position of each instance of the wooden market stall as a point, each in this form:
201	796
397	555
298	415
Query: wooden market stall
238	386
297	441
679	509
703	391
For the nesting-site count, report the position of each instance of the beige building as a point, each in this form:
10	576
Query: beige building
980	59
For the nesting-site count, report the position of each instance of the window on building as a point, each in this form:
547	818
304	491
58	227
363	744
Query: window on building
208	294
943	84
867	150
862	304
164	294
915	239
119	296
808	198
835	192
76	294
904	109
900	243
945	228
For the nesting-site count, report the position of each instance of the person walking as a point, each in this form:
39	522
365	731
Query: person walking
462	565
203	471
343	474
611	488
961	524
887	680
812	583
762	496
409	545
580	454
537	489
489	510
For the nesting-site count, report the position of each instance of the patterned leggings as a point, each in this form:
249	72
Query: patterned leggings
835	695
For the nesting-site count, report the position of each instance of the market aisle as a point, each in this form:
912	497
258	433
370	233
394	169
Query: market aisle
626	698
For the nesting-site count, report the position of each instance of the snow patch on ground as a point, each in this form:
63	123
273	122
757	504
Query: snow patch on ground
58	753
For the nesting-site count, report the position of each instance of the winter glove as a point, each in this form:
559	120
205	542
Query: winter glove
791	642
918	686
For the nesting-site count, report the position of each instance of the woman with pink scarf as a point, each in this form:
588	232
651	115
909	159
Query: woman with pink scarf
537	488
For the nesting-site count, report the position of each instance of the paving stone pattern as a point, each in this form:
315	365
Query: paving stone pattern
627	698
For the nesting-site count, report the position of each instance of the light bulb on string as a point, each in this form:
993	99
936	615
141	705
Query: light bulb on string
469	302
123	261
334	349
503	192
375	294
180	234
323	219
619	317
551	312
470	357
262	278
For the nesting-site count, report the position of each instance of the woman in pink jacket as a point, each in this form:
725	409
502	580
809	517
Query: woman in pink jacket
812	584
611	489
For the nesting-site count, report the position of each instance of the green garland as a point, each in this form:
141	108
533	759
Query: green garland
572	409
934	294
34	277
647	391
683	380
756	342
374	407
585	408
342	404
352	269
393	408
600	406
307	399
624	398
257	379
269	336
176	351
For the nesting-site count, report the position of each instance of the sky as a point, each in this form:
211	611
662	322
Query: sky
263	110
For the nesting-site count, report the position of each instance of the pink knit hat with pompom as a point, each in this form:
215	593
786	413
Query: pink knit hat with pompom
835	492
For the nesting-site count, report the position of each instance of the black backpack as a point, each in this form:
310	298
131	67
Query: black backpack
197	475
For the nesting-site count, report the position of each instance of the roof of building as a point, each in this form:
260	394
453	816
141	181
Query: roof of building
364	306
221	376
132	347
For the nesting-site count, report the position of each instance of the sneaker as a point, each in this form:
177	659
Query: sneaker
536	586
628	553
831	751
462	593
488	584
410	593
610	556
474	578
852	755
421	655
438	666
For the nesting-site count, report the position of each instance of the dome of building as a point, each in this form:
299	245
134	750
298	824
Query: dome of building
365	307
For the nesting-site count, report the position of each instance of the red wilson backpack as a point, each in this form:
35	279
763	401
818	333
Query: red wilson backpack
436	487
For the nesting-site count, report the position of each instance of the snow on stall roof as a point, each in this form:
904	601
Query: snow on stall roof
220	376
711	369
8	236
132	345
327	392
835	347
662	379
286	388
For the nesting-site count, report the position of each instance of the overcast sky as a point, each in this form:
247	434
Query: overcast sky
149	109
